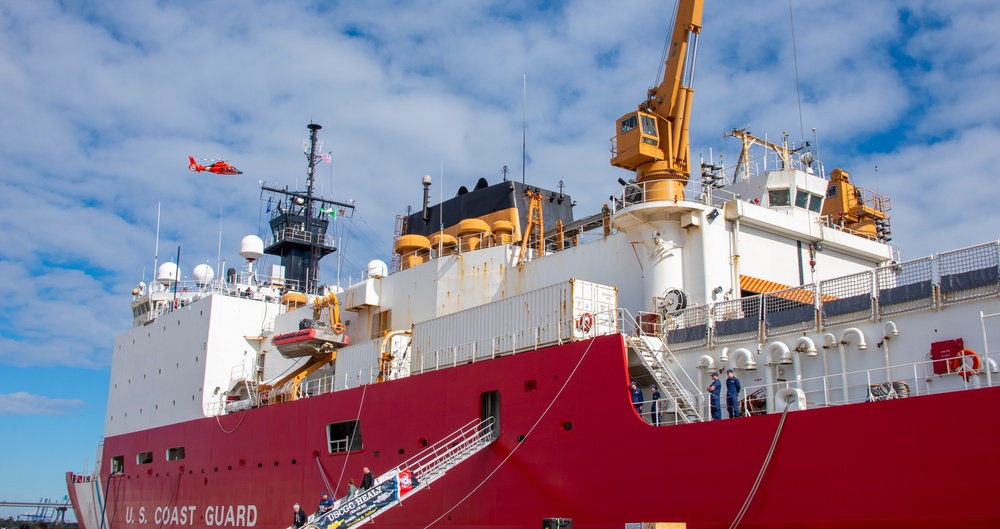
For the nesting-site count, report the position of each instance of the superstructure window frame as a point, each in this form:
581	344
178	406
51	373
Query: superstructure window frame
779	197
801	198
144	458
815	203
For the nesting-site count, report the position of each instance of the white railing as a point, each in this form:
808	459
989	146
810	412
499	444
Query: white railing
907	380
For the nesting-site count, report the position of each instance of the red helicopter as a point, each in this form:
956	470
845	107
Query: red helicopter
219	167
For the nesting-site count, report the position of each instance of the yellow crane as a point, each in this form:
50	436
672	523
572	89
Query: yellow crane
653	141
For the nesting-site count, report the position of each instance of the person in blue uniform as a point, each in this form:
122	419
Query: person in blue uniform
733	388
715	391
325	502
654	406
636	397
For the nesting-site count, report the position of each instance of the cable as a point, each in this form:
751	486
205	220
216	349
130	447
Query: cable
219	422
322	474
350	442
104	508
663	54
518	445
763	468
173	497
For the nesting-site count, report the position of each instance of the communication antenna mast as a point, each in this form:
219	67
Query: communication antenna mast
314	145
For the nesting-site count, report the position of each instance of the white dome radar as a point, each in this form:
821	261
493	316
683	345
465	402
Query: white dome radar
377	268
251	248
167	273
203	275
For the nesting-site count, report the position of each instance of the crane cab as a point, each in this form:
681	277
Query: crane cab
637	141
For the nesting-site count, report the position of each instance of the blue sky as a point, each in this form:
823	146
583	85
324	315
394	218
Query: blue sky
102	103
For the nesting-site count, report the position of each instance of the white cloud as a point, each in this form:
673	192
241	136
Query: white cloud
104	102
27	404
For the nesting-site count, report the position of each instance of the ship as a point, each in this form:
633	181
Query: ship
514	364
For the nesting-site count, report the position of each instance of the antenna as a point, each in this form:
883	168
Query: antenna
311	278
524	126
218	261
156	246
795	61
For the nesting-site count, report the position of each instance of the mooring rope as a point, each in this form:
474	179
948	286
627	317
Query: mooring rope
763	468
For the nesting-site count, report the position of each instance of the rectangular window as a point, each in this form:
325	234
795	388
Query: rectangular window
176	453
629	123
344	436
649	125
801	199
778	197
144	458
117	464
815	203
831	191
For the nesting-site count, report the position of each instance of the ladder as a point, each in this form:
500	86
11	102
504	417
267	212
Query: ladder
391	488
652	351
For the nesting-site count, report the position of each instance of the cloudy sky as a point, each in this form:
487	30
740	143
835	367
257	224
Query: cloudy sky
101	103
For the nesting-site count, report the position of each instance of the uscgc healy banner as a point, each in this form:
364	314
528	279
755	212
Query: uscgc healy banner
355	510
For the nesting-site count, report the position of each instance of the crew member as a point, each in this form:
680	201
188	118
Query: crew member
715	391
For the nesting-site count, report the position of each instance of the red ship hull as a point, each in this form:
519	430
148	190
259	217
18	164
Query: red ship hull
571	446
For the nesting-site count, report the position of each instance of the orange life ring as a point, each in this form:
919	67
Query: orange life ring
338	328
585	322
957	364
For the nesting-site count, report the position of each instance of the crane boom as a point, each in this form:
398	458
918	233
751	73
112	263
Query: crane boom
653	141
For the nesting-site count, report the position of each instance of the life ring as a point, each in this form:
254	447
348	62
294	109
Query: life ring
338	328
957	364
585	322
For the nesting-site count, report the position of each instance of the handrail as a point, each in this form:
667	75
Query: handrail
918	382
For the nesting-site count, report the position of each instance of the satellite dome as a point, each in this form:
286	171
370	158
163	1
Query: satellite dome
251	248
377	268
167	273
203	275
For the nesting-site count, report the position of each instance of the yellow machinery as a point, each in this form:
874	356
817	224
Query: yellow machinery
856	208
653	141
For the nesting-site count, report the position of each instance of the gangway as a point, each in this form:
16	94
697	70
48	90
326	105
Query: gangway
411	476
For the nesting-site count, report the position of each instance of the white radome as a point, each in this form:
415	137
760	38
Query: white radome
203	274
251	248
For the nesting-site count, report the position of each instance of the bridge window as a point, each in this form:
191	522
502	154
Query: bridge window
176	453
344	436
144	458
629	123
801	199
778	197
815	203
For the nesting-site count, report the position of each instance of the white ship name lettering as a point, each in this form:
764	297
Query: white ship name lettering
170	515
231	515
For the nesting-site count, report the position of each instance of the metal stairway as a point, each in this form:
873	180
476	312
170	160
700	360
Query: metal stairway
652	350
423	469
